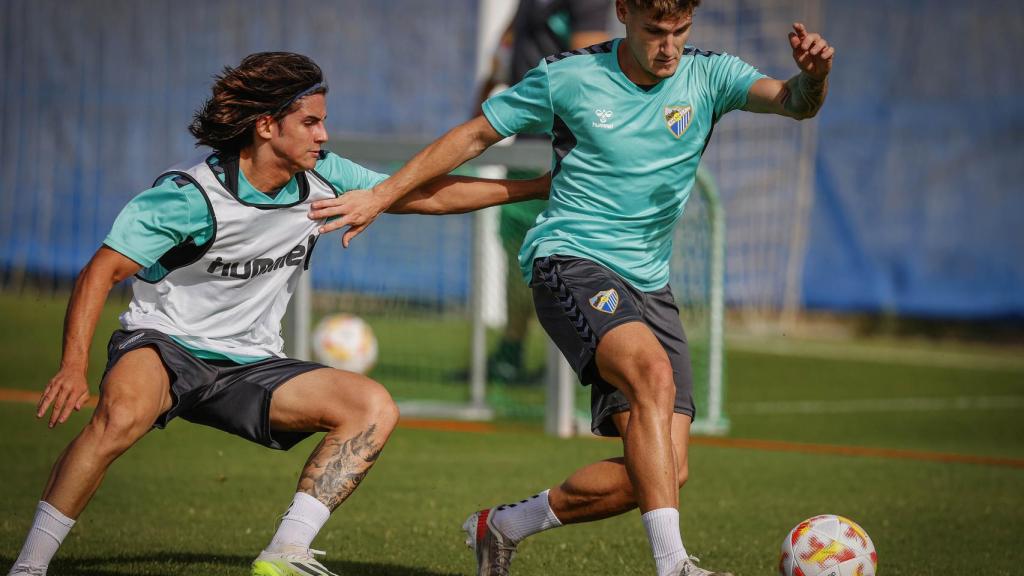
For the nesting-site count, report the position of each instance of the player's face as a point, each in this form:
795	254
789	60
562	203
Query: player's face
299	136
655	45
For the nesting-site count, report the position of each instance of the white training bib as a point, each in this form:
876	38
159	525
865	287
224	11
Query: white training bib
230	298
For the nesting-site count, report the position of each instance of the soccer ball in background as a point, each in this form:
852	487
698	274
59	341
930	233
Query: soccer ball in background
345	342
828	545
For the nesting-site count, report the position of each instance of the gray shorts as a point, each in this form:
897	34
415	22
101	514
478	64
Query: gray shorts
231	397
578	301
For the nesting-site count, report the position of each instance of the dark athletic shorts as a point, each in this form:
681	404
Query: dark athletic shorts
231	397
578	301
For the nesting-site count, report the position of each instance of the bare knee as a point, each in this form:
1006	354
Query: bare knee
375	407
381	409
115	426
655	388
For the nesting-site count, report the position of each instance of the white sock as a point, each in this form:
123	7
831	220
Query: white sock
526	517
662	527
49	528
300	524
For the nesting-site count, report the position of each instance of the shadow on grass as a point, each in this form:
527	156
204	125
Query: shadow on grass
160	563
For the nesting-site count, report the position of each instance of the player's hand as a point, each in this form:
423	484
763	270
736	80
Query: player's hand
812	53
66	391
356	209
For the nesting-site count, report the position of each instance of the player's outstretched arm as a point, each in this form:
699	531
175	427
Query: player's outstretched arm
802	95
359	208
460	194
69	389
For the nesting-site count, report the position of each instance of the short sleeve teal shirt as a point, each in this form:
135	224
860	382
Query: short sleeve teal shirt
624	158
165	216
162	217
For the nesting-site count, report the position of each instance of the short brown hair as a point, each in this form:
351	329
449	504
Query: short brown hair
663	8
263	83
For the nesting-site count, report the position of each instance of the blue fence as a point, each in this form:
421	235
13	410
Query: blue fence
97	95
920	171
918	207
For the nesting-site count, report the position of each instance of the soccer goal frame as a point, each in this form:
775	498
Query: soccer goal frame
561	416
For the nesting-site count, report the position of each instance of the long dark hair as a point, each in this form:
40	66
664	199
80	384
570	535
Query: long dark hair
263	83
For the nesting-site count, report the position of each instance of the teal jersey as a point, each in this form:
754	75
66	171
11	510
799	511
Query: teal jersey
624	158
166	216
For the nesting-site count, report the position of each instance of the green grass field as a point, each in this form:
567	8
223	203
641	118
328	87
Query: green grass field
190	500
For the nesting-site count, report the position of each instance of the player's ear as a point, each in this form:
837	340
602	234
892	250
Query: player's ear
621	10
263	127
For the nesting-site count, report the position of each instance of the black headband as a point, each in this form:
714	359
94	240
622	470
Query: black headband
298	96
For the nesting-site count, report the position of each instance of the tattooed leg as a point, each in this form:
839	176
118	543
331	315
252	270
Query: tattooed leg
339	464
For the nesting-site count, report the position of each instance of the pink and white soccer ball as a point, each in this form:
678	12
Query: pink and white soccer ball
345	342
828	545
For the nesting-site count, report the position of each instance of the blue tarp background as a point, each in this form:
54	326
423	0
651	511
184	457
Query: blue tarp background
920	169
918	207
97	95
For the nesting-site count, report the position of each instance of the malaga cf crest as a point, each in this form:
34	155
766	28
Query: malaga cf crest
677	118
606	301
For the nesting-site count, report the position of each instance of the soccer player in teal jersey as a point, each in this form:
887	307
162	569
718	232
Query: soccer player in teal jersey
217	248
629	120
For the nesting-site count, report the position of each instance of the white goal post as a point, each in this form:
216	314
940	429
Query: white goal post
561	416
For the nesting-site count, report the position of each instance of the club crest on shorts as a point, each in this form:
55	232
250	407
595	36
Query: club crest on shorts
605	301
677	118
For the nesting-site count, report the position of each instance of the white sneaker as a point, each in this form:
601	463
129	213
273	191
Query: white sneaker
292	562
26	570
689	567
493	551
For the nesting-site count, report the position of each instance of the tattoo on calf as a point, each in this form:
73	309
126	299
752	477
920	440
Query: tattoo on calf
336	466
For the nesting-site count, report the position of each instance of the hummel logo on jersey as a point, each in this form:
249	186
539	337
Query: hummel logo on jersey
605	301
297	256
604	116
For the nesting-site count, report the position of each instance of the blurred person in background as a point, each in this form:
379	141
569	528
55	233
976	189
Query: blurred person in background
538	29
629	121
217	247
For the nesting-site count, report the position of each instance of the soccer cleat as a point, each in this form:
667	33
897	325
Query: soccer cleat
689	567
294	562
494	551
26	570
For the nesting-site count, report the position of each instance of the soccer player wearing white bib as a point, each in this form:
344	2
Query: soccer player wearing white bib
217	247
629	120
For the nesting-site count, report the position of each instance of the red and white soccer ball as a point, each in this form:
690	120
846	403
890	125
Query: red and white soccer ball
345	342
828	545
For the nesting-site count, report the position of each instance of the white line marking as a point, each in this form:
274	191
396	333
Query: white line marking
932	404
882	354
